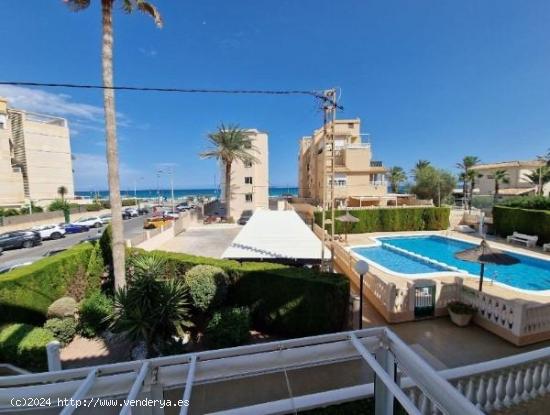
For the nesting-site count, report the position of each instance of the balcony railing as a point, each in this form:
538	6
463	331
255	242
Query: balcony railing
374	163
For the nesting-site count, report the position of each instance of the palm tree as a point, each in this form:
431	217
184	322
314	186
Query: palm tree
420	165
501	176
468	175
396	176
539	177
230	144
110	118
62	191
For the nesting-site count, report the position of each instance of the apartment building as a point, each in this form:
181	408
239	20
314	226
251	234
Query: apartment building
518	182
35	157
359	180
249	181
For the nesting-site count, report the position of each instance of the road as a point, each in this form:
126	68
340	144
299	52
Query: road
132	227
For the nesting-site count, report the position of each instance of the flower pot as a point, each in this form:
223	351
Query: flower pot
461	320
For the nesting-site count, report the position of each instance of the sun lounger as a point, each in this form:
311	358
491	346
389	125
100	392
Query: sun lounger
528	240
546	247
464	229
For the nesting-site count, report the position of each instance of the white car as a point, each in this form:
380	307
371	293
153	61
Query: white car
106	219
90	221
50	231
132	212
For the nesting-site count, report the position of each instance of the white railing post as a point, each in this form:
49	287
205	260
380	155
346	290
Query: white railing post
383	398
52	352
520	317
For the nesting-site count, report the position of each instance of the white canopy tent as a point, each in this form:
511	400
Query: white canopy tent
278	236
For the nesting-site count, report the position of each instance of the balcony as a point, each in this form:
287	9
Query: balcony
375	163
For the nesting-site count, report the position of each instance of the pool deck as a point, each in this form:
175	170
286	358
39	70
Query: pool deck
488	287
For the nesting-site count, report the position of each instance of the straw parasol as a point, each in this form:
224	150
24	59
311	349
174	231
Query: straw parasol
484	254
345	219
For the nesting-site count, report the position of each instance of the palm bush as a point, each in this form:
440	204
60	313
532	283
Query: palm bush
94	314
207	287
151	308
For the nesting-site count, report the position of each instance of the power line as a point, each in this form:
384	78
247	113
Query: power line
316	94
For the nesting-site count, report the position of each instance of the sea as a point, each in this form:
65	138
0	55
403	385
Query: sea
179	193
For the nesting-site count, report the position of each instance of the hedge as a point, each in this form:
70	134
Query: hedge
507	220
25	346
527	202
26	293
391	219
283	300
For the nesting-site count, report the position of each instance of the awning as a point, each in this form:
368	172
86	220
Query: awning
515	191
276	236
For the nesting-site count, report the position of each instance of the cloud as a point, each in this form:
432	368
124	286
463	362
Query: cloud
91	170
149	52
36	100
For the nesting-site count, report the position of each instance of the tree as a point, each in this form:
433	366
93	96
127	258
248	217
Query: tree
501	176
434	184
420	164
468	175
128	6
151	308
539	177
62	191
396	176
230	144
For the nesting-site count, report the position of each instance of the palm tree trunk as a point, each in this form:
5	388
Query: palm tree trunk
112	151
227	189
495	197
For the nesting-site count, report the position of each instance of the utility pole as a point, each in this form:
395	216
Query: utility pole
158	186
329	113
171	173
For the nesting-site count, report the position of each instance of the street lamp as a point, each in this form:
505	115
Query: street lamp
361	267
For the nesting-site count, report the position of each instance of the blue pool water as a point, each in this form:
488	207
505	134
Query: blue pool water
529	274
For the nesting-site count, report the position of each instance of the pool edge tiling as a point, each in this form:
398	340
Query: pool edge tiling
436	252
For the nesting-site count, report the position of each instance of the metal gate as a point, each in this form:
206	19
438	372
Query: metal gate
424	301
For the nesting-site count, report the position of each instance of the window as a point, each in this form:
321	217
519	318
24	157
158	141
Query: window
248	197
248	180
247	164
340	179
490	176
2	121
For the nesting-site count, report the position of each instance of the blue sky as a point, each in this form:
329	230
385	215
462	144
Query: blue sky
430	79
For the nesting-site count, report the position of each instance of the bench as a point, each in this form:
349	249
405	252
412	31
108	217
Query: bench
546	247
528	240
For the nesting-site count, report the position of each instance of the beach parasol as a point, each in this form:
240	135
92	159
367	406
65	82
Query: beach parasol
484	254
345	219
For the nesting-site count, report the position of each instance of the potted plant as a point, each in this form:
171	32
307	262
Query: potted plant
461	314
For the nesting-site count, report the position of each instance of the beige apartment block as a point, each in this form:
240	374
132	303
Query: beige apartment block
518	184
358	178
35	157
249	181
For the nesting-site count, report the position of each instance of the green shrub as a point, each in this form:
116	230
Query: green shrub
105	246
507	220
25	346
93	207
94	312
283	300
392	219
207	287
9	212
228	327
527	202
27	292
63	329
58	204
129	202
62	307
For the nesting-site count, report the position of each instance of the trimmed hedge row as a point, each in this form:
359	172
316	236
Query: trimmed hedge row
282	300
25	346
507	220
527	202
26	293
392	219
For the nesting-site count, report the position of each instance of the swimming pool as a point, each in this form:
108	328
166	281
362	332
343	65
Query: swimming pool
529	274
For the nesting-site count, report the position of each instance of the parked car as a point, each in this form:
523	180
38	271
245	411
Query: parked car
90	222
16	263
143	211
125	215
107	218
50	231
245	216
19	239
53	252
173	214
74	228
132	212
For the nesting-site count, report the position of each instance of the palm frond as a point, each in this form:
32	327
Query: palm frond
77	5
151	10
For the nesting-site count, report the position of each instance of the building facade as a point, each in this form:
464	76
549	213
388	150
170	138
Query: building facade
358	178
518	182
35	157
249	181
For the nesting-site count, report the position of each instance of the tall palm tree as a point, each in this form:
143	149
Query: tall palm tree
396	176
501	176
62	191
539	177
110	118
467	175
229	144
420	164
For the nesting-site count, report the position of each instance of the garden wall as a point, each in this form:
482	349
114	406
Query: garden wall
507	220
392	219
